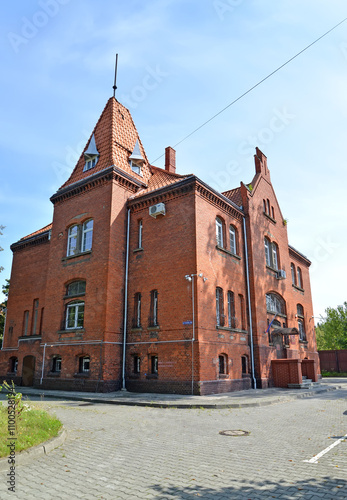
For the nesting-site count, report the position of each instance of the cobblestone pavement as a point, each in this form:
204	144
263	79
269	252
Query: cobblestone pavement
126	452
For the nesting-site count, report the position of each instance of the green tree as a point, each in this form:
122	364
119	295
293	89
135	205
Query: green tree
332	332
1	233
3	306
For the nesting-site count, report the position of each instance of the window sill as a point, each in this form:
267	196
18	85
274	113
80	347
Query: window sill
152	376
74	295
223	375
137	329
272	269
140	249
277	314
69	257
53	374
82	375
153	328
231	329
71	330
30	337
298	288
270	218
303	342
228	252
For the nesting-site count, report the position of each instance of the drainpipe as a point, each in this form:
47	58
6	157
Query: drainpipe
43	362
3	335
249	304
125	301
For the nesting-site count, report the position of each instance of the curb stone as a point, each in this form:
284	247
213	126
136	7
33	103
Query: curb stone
26	456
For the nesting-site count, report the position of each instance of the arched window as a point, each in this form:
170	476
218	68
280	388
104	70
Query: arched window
299	310
219	232
292	268
80	238
274	256
74	315
231	310
275	304
267	251
244	365
153	313
137	310
300	284
264	206
233	239
76	288
268	206
220	318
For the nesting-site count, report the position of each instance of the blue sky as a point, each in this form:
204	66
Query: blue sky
180	62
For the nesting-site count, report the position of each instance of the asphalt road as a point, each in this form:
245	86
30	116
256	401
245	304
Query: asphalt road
126	452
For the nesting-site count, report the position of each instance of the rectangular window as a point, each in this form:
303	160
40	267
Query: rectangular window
25	322
56	364
139	234
231	310
244	365
153	320
292	268
301	328
219	307
35	316
41	320
84	364
137	364
72	240
242	309
137	310
274	257
154	365
74	315
299	277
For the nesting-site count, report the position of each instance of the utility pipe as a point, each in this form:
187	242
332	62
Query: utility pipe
249	303
125	301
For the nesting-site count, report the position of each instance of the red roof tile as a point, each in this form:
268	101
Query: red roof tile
39	231
115	138
234	195
160	178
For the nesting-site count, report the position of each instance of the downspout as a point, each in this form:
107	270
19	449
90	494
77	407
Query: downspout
193	337
3	335
125	301
43	363
249	304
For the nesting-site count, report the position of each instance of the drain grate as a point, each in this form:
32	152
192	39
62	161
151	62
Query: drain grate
236	432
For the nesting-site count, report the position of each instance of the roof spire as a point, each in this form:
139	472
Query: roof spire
115	77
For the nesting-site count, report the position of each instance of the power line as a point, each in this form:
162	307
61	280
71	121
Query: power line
254	86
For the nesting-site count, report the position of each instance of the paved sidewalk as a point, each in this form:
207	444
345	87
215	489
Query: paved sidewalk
240	399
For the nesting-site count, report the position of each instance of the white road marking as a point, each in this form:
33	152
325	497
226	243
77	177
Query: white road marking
315	459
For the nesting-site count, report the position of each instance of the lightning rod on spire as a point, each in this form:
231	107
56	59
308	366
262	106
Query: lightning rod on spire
115	77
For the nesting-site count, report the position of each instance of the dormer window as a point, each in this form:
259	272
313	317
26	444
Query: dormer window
136	159
91	155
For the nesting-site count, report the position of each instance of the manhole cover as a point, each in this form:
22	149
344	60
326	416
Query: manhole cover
237	432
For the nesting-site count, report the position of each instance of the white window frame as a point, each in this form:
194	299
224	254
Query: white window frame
155	308
140	228
135	167
82	364
154	364
267	245
56	364
219	232
299	275
292	268
85	231
301	328
274	256
232	233
90	163
138	310
72	237
77	306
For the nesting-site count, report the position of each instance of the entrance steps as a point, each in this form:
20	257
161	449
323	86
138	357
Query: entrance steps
306	384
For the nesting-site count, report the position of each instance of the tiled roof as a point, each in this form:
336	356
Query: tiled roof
234	195
36	233
159	179
115	137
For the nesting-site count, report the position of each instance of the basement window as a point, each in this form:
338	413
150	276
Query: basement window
84	364
154	365
56	364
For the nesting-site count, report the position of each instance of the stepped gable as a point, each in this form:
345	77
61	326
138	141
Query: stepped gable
234	195
159	179
115	137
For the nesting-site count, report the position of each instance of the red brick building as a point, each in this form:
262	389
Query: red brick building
202	288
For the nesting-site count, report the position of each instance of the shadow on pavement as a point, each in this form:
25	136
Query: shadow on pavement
325	487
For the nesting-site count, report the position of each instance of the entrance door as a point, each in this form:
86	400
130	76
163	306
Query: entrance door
28	371
278	345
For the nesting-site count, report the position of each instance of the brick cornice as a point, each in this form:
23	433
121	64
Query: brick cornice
104	176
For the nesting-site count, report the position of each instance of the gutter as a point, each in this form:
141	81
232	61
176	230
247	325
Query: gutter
125	301
249	304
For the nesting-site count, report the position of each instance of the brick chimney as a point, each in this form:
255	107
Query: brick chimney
170	160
